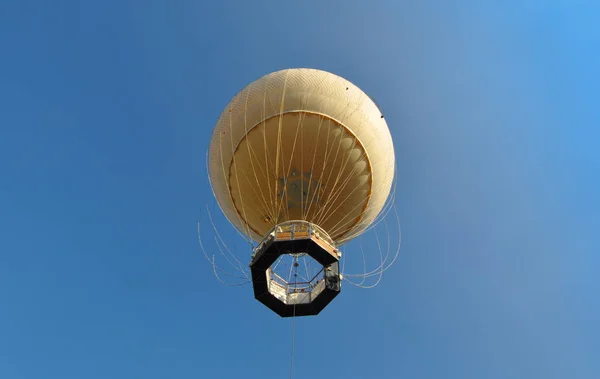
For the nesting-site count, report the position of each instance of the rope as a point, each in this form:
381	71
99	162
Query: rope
293	338
294	321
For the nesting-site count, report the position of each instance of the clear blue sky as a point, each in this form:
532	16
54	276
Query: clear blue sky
106	111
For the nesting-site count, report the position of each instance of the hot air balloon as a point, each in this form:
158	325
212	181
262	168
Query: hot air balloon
301	161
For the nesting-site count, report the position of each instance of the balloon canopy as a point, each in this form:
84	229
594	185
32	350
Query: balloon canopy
301	144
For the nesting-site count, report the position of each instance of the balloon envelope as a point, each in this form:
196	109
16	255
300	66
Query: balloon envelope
301	144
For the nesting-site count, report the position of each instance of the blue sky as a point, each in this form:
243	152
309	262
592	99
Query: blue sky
106	111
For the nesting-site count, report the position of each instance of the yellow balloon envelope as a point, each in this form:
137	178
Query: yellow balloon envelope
301	144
